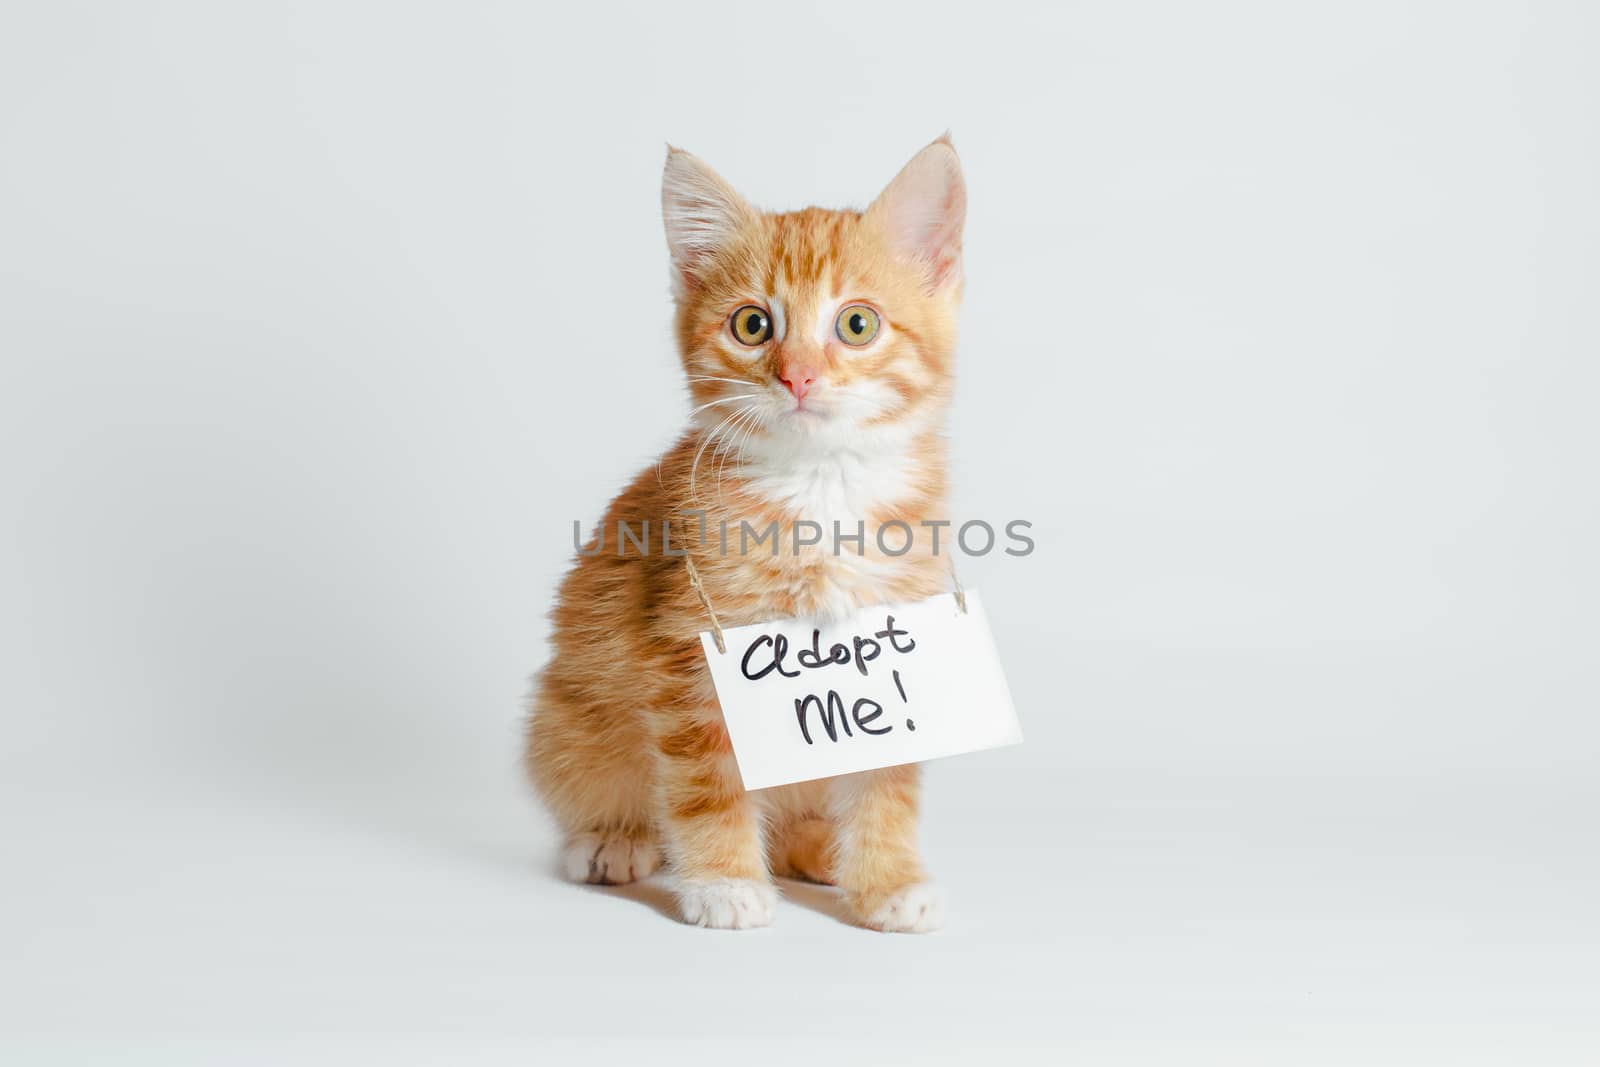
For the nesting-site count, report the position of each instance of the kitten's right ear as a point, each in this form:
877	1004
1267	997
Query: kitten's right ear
923	210
702	214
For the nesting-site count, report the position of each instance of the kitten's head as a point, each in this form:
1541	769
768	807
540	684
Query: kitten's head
814	326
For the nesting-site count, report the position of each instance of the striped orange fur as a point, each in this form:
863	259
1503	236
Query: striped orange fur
793	423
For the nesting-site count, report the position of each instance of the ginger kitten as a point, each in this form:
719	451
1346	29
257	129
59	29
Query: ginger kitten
818	348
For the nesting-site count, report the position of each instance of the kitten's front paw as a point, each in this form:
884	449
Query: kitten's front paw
608	860
916	909
727	903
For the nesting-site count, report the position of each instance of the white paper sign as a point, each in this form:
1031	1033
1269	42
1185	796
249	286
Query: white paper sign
893	684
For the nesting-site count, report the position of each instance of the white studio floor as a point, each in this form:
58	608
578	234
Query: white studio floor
1130	917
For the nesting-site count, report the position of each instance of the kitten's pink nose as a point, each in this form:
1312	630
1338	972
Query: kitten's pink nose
798	377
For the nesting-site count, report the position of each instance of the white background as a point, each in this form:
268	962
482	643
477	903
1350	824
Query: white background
321	322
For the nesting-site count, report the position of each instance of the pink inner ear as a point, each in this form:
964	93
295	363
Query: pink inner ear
701	211
923	210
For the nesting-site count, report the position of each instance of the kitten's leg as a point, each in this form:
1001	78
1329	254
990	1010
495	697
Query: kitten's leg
876	859
711	829
803	848
596	784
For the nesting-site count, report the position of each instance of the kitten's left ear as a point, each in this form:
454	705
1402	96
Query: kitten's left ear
922	211
703	214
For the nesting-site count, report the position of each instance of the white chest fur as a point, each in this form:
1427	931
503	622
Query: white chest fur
835	486
843	491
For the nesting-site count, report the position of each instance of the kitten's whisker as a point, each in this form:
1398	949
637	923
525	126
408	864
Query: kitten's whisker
743	436
695	465
721	400
734	381
740	425
749	435
720	452
721	447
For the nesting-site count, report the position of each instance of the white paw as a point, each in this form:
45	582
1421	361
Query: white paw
727	903
608	860
916	909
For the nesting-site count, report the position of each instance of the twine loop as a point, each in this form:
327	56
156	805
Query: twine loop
700	591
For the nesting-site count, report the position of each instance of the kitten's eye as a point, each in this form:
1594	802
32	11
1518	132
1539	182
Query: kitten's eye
857	324
750	325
